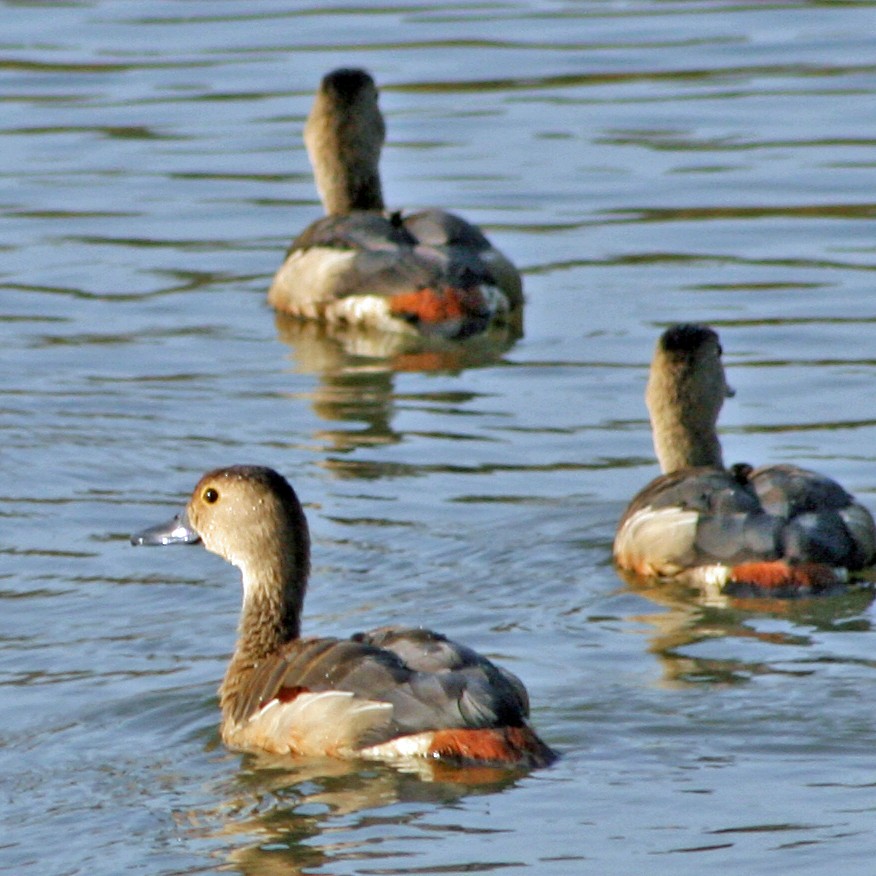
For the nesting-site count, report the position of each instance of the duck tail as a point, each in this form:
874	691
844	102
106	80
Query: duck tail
778	577
511	745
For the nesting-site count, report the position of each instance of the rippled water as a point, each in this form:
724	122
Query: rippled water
644	162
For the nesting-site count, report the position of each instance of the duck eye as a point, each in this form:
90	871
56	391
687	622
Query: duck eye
210	495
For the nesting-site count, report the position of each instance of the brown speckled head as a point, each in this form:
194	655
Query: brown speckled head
243	512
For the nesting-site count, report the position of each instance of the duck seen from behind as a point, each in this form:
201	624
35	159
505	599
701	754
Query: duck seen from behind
778	529
429	273
389	693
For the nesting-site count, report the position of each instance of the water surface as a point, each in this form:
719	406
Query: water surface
644	162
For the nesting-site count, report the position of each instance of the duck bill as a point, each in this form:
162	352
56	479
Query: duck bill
178	530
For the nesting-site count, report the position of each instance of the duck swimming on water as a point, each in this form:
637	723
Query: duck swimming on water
430	273
779	529
390	693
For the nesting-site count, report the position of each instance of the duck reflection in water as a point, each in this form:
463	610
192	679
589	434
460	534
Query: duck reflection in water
279	815
689	616
356	370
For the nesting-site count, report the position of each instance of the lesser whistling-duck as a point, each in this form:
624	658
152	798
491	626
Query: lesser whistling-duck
429	273
778	529
389	693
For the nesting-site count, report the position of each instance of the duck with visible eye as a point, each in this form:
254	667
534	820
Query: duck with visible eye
390	693
777	529
430	274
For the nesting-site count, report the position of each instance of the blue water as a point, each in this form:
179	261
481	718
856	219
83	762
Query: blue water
644	163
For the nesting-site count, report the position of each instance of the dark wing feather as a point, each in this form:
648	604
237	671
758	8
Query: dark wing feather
770	513
431	682
360	230
440	228
787	490
814	510
706	490
486	694
396	254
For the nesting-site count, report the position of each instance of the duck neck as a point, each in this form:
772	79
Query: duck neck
685	435
344	140
680	448
346	187
271	614
270	617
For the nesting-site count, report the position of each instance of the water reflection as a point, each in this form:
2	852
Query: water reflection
356	369
306	813
691	616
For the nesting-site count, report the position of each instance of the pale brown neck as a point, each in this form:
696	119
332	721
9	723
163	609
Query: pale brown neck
271	616
679	446
343	144
271	612
684	430
343	190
